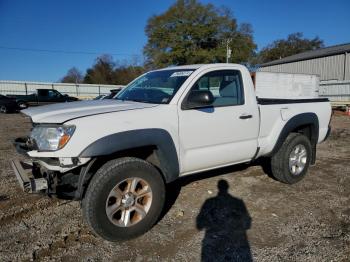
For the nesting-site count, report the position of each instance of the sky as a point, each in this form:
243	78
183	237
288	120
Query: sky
82	29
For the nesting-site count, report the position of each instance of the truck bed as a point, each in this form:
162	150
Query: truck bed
275	113
278	101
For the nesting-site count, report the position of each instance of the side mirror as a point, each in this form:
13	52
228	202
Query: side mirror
198	99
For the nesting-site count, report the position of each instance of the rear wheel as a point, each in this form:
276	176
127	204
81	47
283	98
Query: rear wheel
291	162
124	199
3	109
22	105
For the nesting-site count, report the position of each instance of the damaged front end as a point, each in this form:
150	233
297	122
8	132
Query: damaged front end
30	183
63	177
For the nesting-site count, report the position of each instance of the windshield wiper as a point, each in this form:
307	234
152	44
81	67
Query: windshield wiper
140	101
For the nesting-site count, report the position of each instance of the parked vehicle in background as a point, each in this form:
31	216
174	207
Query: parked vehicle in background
8	105
42	97
118	155
100	97
113	93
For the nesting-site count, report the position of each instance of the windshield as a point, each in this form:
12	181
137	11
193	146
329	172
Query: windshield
156	87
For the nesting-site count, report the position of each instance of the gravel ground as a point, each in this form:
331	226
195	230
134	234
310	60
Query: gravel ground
255	217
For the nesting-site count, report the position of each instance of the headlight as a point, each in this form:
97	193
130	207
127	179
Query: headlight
51	138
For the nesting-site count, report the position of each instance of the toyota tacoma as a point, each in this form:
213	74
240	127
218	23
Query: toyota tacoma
116	156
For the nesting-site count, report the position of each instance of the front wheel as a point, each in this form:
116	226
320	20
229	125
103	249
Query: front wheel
291	162
124	199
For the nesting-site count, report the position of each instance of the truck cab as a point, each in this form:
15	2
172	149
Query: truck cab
47	96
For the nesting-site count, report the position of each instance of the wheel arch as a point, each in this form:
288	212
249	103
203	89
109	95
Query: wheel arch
21	101
306	124
154	145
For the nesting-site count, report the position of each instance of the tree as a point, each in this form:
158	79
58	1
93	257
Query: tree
294	44
101	72
125	74
190	32
73	76
106	71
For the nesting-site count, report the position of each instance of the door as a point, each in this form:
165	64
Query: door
49	96
225	132
43	96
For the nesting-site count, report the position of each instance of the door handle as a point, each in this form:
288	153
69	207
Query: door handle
244	116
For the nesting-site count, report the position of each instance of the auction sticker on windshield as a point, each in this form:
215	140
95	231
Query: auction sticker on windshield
181	73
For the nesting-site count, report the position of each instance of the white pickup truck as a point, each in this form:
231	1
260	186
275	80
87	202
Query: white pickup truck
117	155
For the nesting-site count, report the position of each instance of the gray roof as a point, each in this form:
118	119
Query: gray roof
322	52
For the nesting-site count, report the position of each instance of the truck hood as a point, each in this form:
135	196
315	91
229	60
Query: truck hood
60	113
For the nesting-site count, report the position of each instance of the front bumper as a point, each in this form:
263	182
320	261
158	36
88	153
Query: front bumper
26	180
52	176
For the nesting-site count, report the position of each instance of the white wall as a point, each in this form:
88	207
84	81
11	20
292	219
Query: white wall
77	90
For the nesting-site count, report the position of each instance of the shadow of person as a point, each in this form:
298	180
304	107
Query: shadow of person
225	220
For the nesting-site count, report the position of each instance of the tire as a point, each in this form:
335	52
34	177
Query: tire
3	109
22	105
111	178
291	162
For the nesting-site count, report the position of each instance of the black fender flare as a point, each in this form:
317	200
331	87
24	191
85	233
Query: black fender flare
300	120
160	138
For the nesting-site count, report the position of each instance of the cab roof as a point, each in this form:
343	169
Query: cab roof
196	66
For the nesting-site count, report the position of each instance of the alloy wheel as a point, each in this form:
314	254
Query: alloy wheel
297	159
129	202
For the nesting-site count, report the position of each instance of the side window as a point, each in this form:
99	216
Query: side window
57	94
52	94
43	92
225	85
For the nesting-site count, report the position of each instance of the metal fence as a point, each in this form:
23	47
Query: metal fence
77	90
338	92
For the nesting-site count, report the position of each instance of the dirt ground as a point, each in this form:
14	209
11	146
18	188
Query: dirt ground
257	217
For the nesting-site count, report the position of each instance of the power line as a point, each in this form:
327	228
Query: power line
64	51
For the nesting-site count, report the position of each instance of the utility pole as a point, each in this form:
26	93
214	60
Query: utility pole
228	49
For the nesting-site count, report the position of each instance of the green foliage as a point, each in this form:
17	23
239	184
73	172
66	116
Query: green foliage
126	74
190	32
106	71
101	72
294	44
